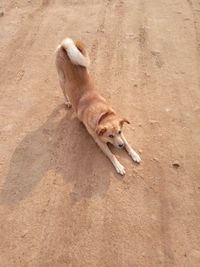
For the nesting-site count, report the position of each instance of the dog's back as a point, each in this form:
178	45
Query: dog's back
72	62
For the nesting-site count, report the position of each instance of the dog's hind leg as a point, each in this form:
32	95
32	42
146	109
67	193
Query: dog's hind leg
135	157
119	168
62	85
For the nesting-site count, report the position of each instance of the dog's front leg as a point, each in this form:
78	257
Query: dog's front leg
119	168
130	151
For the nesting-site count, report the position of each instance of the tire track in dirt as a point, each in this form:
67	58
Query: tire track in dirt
144	77
109	34
99	30
166	211
196	19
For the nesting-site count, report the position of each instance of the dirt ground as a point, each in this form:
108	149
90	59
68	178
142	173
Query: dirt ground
61	201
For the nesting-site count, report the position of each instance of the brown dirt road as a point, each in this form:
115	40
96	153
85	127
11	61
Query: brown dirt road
61	201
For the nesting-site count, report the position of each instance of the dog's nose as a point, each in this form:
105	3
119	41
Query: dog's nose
121	145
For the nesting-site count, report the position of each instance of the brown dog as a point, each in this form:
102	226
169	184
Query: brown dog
98	117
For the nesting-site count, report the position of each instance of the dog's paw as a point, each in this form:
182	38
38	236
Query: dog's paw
119	168
68	104
135	157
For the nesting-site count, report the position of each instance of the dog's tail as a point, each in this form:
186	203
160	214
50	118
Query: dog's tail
76	52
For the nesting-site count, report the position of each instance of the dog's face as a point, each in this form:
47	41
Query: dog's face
110	131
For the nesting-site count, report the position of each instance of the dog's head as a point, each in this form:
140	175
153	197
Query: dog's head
109	130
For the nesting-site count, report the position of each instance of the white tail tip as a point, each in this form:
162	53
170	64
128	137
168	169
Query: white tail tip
74	54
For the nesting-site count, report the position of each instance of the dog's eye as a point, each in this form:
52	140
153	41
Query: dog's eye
119	132
111	136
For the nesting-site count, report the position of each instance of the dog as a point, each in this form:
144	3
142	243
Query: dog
91	108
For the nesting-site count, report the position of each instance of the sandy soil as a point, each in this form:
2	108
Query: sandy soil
61	201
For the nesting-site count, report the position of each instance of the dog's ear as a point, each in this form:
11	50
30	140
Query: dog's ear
123	121
100	130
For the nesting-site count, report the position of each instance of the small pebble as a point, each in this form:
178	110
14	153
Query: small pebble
176	164
153	121
100	30
130	35
156	159
1	14
168	109
24	234
147	74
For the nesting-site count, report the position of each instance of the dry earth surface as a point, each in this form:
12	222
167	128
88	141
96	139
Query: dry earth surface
61	201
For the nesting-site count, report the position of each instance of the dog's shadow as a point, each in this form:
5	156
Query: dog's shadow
63	146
